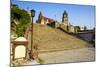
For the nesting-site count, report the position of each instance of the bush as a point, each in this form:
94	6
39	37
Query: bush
23	20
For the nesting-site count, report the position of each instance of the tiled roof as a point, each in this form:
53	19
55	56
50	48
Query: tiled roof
49	19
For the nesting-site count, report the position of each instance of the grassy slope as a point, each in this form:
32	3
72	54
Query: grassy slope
49	38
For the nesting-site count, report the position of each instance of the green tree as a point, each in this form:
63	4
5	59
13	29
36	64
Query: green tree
77	28
23	20
39	17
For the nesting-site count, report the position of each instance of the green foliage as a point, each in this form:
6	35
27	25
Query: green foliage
77	28
22	17
39	17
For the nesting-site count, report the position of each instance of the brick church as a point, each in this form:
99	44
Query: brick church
65	25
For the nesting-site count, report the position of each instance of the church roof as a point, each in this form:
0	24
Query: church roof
49	19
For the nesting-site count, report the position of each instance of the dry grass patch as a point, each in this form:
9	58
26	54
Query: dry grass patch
51	38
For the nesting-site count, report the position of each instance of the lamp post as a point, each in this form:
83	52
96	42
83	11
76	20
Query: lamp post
32	16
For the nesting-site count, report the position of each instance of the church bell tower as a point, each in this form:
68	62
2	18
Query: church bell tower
65	18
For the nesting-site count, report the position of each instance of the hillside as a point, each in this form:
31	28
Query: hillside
48	38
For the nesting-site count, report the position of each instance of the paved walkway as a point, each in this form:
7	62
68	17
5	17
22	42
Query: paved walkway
26	63
66	56
33	62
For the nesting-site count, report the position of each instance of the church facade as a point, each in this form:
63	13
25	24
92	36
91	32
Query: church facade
64	24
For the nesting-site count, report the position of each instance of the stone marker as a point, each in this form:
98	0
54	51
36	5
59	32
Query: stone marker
19	48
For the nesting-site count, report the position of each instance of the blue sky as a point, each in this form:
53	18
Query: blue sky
81	15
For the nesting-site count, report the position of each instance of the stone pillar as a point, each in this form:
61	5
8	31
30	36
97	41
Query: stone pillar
19	48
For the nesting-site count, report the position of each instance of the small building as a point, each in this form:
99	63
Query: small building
71	28
83	28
